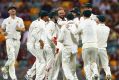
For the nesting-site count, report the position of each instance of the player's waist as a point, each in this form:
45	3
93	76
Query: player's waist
90	44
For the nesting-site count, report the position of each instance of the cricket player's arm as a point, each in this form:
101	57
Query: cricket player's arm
52	33
61	23
20	28
61	36
39	35
73	29
51	30
1	30
80	28
108	33
3	27
60	40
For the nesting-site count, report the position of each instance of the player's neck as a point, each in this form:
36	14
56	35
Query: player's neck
13	16
86	17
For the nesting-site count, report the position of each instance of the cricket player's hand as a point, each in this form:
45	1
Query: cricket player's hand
2	38
4	33
54	40
41	44
57	50
20	29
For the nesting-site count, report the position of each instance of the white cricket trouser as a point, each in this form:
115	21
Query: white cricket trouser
56	67
68	63
57	64
50	60
32	50
40	62
89	56
74	52
12	52
102	56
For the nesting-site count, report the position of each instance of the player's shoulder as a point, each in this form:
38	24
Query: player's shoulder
106	27
34	22
51	22
6	19
19	18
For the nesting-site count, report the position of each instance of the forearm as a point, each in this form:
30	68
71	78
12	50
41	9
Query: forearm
20	29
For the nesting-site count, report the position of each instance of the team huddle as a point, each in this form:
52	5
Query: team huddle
53	40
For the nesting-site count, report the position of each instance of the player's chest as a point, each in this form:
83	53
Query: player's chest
11	22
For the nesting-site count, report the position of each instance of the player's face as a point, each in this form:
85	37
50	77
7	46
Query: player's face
97	21
74	14
61	13
46	18
12	12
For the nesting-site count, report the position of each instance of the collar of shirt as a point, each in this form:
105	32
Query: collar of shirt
64	19
86	19
70	22
12	18
42	21
101	24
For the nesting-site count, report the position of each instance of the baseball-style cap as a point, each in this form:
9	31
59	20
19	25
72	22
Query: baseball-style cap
76	10
87	13
88	5
43	13
70	16
101	18
52	14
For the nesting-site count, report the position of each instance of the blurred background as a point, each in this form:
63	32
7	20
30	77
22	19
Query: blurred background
28	10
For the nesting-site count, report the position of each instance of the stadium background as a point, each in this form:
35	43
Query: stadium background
28	10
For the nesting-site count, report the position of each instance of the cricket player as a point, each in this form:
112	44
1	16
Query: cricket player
58	46
88	6
39	46
46	62
87	29
102	37
59	22
76	12
61	17
31	47
12	26
31	42
68	58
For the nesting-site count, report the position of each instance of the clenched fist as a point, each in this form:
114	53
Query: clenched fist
41	44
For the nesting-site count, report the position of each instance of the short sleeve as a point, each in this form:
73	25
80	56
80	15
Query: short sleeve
3	26
22	23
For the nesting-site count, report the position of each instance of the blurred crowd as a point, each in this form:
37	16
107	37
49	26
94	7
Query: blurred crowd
28	10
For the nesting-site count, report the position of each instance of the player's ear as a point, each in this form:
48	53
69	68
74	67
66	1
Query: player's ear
9	11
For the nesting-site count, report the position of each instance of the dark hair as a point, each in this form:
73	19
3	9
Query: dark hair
12	7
